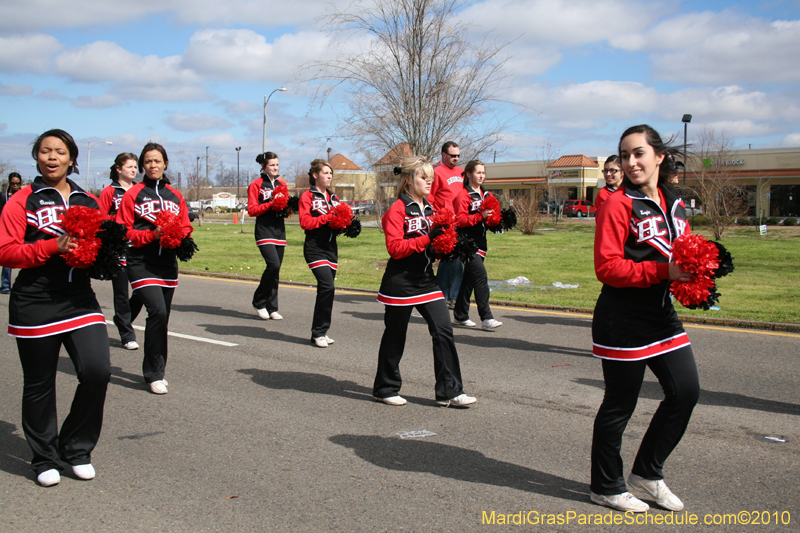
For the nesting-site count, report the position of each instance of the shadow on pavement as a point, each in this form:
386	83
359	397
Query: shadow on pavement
488	339
652	391
543	320
215	311
118	376
443	460
357	298
254	332
365	316
14	449
317	384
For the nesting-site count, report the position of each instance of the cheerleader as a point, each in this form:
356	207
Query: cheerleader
636	327
409	282
152	269
270	234
123	172
53	304
470	217
612	174
320	250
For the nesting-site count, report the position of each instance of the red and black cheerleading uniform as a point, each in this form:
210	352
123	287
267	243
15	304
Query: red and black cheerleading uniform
53	304
110	200
469	219
270	238
320	252
407	283
635	327
152	269
602	196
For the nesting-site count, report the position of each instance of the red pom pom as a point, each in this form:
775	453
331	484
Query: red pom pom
446	242
341	216
490	203
82	224
695	254
280	197
443	217
693	292
171	230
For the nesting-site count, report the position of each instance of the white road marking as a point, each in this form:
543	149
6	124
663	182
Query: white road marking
190	337
415	434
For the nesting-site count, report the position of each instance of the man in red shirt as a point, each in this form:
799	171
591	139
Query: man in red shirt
448	180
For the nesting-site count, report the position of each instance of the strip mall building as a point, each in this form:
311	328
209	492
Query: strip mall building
771	177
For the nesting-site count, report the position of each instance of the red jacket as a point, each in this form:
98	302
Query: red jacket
469	216
447	185
270	228
110	200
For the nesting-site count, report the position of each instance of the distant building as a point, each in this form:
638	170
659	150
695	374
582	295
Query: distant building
351	182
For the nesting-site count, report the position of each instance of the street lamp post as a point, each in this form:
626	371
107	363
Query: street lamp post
89	159
686	120
238	149
197	180
266	101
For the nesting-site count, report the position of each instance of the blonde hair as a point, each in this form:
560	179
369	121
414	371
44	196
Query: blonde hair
409	168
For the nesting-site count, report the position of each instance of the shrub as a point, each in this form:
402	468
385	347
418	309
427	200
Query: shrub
700	220
772	221
790	222
744	221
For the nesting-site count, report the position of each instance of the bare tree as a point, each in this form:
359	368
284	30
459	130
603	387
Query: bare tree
194	171
722	197
225	177
419	77
526	207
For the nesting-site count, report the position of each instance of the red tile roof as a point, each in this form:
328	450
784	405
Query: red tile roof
572	161
396	154
340	162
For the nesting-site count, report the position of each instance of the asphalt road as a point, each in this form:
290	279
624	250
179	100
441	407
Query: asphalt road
270	433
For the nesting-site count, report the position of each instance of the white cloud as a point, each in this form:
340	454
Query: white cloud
12	89
730	103
246	55
96	102
28	53
241	106
197	122
793	139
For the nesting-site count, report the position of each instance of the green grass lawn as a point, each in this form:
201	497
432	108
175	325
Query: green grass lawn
765	285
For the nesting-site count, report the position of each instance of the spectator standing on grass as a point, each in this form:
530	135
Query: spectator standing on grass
53	305
14	185
635	326
447	185
320	249
408	283
153	269
122	174
612	174
470	219
270	234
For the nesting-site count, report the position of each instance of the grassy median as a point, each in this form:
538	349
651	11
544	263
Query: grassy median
765	285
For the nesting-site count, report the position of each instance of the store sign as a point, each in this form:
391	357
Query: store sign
565	174
708	163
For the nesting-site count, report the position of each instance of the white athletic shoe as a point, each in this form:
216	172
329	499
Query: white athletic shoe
48	478
132	345
159	386
622	502
275	315
658	490
491	324
328	340
465	323
320	342
392	400
263	314
462	400
85	472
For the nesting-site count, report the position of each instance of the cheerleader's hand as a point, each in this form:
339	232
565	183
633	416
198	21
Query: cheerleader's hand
157	232
676	274
486	214
65	244
435	232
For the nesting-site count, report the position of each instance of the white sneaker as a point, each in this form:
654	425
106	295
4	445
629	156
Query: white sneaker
320	341
392	400
159	386
328	340
621	502
658	490
263	314
275	315
465	323
132	345
85	472
491	324
48	478
462	400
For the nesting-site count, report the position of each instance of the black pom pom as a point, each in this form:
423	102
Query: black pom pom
113	247
293	206
397	171
186	250
509	218
725	261
354	229
464	250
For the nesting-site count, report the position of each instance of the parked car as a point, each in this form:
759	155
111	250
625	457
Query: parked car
577	208
692	211
546	206
193	214
361	207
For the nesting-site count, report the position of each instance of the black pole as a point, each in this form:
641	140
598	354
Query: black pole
685	126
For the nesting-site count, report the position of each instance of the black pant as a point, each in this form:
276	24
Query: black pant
475	277
323	308
88	349
445	357
677	373
266	295
157	300
122	306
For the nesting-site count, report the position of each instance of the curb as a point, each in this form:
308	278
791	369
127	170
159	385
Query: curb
705	321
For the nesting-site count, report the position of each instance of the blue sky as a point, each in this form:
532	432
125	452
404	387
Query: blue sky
194	74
